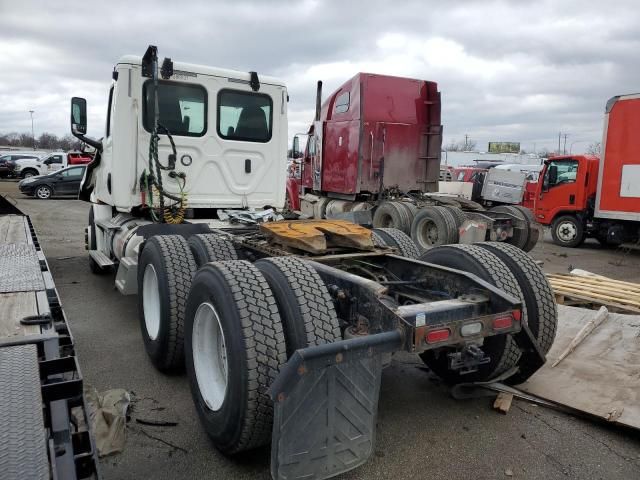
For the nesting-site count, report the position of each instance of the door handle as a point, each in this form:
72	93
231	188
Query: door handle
247	165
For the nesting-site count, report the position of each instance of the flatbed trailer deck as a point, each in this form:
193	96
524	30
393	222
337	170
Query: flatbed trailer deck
44	424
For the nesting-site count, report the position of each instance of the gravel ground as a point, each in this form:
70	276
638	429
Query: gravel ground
421	433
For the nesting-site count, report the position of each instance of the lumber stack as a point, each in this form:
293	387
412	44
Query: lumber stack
595	291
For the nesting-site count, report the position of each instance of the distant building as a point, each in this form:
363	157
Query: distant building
456	159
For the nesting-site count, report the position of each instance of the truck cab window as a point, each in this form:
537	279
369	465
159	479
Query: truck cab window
566	171
244	116
342	103
183	108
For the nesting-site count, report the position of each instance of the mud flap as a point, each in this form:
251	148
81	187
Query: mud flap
325	407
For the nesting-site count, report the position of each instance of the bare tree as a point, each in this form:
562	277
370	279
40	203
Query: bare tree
465	145
594	148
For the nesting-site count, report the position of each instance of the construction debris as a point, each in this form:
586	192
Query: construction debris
503	402
589	327
108	417
583	288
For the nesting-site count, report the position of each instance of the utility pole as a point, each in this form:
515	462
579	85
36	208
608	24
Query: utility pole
466	142
33	135
564	149
559	136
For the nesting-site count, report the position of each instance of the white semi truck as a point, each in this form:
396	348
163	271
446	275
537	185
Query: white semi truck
283	326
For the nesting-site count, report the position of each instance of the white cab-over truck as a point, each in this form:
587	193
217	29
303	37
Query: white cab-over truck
283	325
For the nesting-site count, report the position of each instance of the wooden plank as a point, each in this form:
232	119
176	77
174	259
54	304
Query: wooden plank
597	280
601	292
12	229
503	402
589	299
13	307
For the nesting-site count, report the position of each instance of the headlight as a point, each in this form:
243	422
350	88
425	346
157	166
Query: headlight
27	180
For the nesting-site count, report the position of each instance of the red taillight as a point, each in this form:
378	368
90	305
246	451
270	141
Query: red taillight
501	323
517	315
435	336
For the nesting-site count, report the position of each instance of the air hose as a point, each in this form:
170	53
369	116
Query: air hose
173	213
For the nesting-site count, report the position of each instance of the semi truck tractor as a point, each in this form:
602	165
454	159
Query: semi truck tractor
581	196
283	326
373	155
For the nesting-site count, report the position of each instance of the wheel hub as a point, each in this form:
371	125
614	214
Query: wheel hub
567	231
210	356
151	301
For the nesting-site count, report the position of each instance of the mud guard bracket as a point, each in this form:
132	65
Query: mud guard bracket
325	407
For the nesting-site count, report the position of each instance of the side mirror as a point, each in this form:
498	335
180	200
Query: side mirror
295	150
78	116
553	175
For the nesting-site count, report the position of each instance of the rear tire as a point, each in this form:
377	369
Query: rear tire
501	349
392	237
534	232
392	215
433	226
211	247
306	310
542	313
567	231
253	349
165	270
459	216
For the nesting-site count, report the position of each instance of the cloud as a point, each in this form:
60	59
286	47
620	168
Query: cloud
508	70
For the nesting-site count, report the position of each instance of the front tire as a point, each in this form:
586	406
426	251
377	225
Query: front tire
43	192
236	297
28	173
567	231
165	270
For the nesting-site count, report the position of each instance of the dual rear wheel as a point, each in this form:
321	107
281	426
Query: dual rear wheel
232	324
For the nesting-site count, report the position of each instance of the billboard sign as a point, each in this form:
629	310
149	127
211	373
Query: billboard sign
504	147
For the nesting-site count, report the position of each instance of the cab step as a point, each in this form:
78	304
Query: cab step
101	259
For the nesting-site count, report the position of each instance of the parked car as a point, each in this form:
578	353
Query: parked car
65	182
8	162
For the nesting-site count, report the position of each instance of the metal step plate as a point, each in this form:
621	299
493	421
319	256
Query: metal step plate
100	258
23	444
20	269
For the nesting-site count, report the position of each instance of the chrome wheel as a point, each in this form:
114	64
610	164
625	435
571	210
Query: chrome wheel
43	192
210	356
151	302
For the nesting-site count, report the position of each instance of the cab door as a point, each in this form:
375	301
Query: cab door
559	189
54	163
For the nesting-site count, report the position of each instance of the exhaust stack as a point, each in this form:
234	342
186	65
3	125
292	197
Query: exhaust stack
318	100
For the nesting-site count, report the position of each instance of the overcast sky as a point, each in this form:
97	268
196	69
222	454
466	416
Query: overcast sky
507	70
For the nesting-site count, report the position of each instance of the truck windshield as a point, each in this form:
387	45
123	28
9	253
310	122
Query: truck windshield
183	108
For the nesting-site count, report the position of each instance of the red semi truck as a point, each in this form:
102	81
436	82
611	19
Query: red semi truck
373	152
583	196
